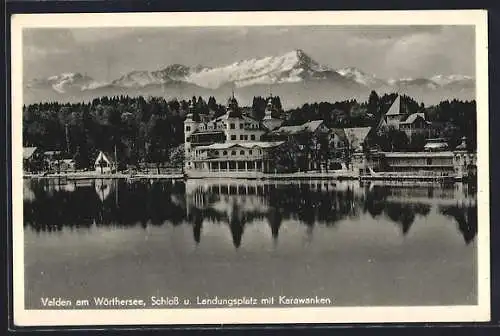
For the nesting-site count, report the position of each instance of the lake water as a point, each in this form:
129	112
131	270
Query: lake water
351	243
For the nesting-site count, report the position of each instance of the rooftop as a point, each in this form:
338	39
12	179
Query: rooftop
310	126
412	117
28	152
395	108
248	144
418	154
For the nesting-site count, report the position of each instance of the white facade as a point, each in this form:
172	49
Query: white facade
231	142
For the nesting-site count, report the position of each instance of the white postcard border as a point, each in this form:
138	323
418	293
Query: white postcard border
480	312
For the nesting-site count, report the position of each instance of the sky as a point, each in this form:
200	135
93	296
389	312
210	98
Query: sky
385	51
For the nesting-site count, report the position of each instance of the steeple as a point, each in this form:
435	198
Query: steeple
232	106
269	121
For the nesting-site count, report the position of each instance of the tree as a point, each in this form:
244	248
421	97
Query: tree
373	104
417	142
391	139
284	157
177	156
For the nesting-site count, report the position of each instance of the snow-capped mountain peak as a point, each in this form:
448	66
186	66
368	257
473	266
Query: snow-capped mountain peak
448	79
360	76
63	82
284	72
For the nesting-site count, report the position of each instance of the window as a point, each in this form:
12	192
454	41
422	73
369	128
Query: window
233	137
224	153
233	152
429	161
250	152
252	137
246	137
241	137
188	128
188	139
241	126
232	126
242	152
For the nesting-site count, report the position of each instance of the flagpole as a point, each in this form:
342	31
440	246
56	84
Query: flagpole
116	162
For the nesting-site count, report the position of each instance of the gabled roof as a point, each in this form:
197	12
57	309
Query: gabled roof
310	126
289	129
412	117
395	108
28	152
107	157
313	125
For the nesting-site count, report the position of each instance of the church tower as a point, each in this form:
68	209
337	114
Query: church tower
269	121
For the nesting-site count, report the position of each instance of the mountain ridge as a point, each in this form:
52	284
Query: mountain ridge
294	67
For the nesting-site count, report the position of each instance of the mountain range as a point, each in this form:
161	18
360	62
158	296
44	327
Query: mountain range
294	76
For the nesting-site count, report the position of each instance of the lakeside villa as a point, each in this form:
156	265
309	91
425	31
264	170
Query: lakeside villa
232	143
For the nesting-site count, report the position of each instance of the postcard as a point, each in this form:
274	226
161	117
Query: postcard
250	167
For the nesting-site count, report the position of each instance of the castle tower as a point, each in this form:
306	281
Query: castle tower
233	120
190	125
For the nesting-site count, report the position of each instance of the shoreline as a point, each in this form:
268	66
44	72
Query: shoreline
336	175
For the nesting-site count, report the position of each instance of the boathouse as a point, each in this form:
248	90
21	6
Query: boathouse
104	163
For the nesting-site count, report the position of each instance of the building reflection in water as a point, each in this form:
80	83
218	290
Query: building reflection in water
50	206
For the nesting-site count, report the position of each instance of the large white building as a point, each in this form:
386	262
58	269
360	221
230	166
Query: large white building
230	143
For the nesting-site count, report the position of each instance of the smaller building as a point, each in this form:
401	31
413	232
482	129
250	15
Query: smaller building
32	159
416	124
104	163
356	137
436	145
67	165
338	140
445	163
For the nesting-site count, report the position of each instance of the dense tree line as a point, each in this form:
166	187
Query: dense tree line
139	129
451	119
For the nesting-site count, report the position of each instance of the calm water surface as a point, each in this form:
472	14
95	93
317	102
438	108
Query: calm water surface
357	244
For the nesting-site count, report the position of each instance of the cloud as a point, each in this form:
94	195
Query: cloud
449	51
386	51
34	53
